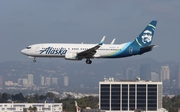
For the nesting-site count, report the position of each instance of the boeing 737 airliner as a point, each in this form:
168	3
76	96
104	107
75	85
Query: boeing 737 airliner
81	51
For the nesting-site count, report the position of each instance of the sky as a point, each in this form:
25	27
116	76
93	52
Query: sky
26	22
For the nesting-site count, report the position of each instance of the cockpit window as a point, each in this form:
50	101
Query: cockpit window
28	47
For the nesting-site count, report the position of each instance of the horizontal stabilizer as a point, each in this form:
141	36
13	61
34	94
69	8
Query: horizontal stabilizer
146	49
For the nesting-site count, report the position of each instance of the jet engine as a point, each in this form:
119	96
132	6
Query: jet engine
71	56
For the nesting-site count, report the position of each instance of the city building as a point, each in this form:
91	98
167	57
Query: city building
42	81
66	81
54	81
10	83
154	77
144	71
173	75
165	75
1	80
21	107
179	77
126	96
130	74
30	80
22	81
25	82
48	81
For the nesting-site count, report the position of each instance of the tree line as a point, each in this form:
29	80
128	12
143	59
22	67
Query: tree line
68	103
170	104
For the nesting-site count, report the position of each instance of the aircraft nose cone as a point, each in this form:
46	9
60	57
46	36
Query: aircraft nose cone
23	51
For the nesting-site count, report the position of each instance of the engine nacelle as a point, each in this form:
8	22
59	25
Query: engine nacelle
71	56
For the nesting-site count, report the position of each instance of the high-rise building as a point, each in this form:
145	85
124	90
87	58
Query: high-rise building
1	80
130	74
66	80
145	71
154	77
20	81
48	81
173	74
30	80
42	81
127	96
165	75
54	81
179	77
25	82
174	83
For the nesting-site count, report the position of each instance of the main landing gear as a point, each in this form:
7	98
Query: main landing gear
34	60
88	61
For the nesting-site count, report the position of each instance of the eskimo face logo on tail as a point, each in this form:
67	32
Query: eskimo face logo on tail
146	36
51	50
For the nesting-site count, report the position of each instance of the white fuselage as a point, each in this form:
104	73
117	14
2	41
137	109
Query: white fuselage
60	49
71	51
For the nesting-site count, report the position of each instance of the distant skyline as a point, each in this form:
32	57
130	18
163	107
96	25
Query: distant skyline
28	22
80	77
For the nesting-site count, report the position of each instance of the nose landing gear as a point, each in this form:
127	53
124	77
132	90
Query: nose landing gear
34	60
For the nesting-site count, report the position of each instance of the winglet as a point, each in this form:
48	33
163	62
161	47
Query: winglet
113	41
102	41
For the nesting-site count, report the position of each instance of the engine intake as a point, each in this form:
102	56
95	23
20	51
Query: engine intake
71	56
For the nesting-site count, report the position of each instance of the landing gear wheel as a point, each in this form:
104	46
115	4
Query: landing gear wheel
88	61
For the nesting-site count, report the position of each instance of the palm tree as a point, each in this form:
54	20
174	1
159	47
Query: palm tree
35	109
25	110
31	109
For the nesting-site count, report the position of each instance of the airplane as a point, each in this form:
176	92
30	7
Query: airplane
72	51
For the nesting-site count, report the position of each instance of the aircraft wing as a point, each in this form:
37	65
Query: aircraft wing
91	51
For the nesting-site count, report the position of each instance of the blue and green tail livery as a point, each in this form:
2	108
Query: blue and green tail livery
146	36
138	46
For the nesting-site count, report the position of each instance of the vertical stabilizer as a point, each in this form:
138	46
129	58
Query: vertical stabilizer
146	36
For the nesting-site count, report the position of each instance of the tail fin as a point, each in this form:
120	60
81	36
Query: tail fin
146	37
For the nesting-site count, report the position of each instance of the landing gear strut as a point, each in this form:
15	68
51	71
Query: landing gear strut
34	60
88	61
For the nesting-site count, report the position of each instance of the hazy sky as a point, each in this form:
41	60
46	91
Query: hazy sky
26	22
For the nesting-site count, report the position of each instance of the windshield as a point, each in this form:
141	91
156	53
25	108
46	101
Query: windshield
28	47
